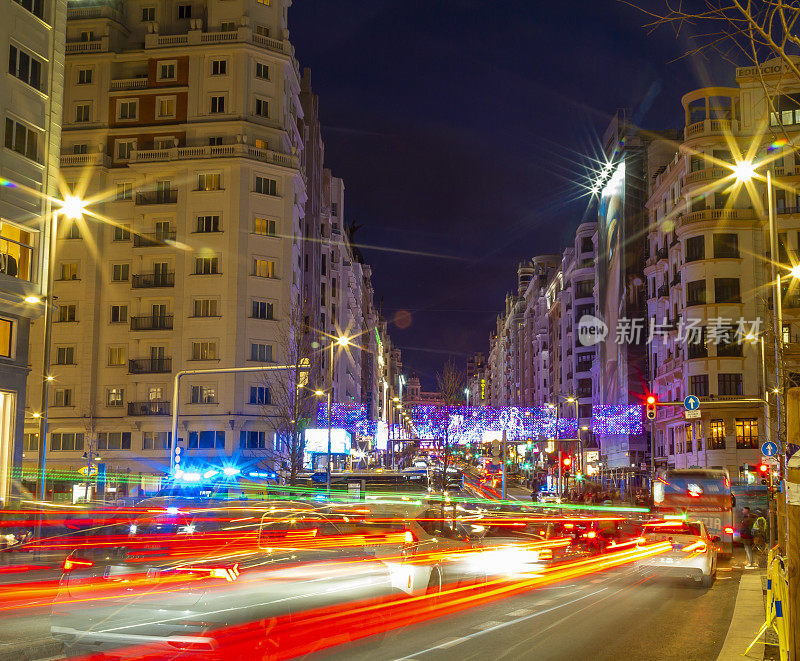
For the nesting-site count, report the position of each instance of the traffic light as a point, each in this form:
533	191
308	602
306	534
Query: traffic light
651	407
176	457
567	461
763	472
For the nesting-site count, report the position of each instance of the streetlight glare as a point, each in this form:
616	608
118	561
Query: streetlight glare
744	171
795	272
319	393
33	299
73	207
343	340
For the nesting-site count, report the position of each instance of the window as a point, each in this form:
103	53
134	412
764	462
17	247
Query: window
148	14
30	442
260	395
209	181
114	396
80	148
263	268
264	2
22	139
204	395
167	70
227	26
208	223
207	440
729	384
122	234
83	112
73	231
67	312
124	190
263	310
266	186
215	140
219	67
114	440
262	71
696	292
687	431
262	107
265	226
66	441
65	356
124	149
253	440
165	107
583	289
119	272
322	293
726	290
206	265
698	348
334	209
746	433
204	350
698	385
156	440
729	346
261	353
324	268
119	314
69	271
726	245
85	76
6	338
62	397
695	248
205	307
262	30
217	104
25	67
184	11
587	245
33	6
87	35
127	109
116	356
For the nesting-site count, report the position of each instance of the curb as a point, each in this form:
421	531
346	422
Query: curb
748	616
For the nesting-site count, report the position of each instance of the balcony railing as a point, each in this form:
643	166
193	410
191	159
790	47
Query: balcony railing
239	150
710	127
662	253
150	365
663	290
719	214
84	160
785	211
160	322
149	408
708	174
129	83
676	280
150	280
169	196
152	239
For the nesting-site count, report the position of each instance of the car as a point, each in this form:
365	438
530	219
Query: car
548	497
693	554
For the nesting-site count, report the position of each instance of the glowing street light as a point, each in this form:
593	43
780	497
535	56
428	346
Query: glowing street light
33	299
343	340
73	207
319	393
744	171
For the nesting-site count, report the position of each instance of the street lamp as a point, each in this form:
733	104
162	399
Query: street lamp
466	392
341	341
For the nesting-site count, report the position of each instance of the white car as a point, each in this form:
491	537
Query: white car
693	554
549	497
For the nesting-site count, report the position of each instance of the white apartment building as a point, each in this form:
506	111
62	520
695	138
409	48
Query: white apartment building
181	129
31	90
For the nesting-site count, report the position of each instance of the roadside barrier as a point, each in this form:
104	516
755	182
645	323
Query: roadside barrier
777	595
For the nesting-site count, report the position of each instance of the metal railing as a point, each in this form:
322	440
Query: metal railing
152	239
160	322
149	280
150	365
168	196
149	408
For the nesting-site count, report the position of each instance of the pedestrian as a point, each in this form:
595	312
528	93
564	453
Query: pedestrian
746	535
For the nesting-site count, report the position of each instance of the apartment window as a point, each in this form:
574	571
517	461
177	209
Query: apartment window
729	384
264	2
253	440
265	226
227	26
746	433
261	353
215	140
260	395
323	269
262	71
80	148
122	234
205	307
262	107
266	186
730	346
698	385
127	109
124	190
115	396
87	35
696	292
66	442
207	440
217	104
30	442
184	11
263	268
587	245
116	356
83	112
208	223
6	338
165	106
73	231
120	272
62	397
263	310
25	67
206	265
726	290
156	440
65	355
69	271
167	70
726	245
262	30
67	312
695	248
124	149
209	181
219	67
334	209
119	314
699	348
114	440
85	76
687	435
204	395
148	14
583	289
204	350
33	6
322	293
716	435
22	139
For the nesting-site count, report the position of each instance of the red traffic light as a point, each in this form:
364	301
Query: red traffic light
763	468
651	399
567	461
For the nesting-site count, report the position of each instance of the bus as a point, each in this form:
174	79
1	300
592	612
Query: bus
491	466
700	494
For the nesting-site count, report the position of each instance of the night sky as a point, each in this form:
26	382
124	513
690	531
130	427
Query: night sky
461	129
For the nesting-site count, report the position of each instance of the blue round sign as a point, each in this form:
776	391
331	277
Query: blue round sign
691	403
769	449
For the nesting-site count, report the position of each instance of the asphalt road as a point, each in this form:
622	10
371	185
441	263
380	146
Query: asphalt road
613	615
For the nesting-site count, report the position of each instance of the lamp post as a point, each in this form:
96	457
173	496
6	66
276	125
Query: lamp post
341	341
466	393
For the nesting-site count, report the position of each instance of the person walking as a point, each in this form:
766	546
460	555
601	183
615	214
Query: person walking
746	535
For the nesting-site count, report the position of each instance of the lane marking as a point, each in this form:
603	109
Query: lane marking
520	612
449	642
487	625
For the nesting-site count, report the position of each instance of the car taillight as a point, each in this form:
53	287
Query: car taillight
728	530
409	537
230	574
591	535
699	546
546	554
74	563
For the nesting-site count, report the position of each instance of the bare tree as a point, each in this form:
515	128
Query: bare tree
451	381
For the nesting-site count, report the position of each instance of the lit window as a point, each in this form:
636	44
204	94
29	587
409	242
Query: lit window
6	338
69	271
204	350
209	181
265	226
166	107
116	356
204	395
114	396
263	268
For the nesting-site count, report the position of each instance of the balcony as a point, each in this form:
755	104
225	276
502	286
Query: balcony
708	174
676	280
711	127
138	83
662	253
580	393
100	11
95	46
216	151
198	37
786	211
152	239
169	196
663	291
149	408
160	322
152	280
150	366
720	214
84	160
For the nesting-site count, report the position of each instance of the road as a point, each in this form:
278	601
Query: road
614	615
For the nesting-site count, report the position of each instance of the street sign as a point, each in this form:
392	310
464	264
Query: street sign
691	403
769	449
691	414
319	478
770	461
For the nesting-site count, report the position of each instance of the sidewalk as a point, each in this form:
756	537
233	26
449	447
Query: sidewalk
748	616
